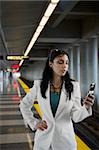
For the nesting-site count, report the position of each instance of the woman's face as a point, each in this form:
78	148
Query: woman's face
60	65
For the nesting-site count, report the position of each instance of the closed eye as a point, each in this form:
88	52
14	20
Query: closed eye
62	62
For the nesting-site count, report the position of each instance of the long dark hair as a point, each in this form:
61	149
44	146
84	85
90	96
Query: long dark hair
47	74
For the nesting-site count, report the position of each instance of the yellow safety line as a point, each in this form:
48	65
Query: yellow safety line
26	89
80	144
24	86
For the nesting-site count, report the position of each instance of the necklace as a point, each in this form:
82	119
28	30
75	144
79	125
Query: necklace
55	89
58	87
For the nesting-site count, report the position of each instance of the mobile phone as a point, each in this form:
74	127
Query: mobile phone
91	90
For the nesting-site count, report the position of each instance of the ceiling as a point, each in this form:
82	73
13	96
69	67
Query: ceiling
70	23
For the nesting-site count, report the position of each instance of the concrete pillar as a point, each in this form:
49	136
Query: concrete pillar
84	67
98	74
70	52
93	66
76	63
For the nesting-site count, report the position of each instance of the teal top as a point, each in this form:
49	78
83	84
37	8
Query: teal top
54	101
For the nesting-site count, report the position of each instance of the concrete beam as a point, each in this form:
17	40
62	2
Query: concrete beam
57	40
68	8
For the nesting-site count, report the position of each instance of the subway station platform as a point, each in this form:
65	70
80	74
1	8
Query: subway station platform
29	31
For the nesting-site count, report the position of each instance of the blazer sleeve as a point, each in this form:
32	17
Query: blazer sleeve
26	105
79	112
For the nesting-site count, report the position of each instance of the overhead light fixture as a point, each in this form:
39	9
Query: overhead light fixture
16	57
21	62
39	28
50	9
42	23
30	46
36	34
54	1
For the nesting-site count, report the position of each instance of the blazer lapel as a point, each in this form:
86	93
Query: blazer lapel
62	101
48	102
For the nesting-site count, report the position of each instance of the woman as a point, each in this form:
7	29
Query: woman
59	100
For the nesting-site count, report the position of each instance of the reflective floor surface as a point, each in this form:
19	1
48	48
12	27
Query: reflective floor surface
13	133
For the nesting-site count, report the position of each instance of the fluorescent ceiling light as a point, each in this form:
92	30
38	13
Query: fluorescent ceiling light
54	1
29	48
34	38
43	21
16	57
50	9
21	62
39	29
36	34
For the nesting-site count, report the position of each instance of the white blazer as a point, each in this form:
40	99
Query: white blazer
60	133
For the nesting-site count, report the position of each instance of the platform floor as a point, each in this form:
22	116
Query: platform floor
13	133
